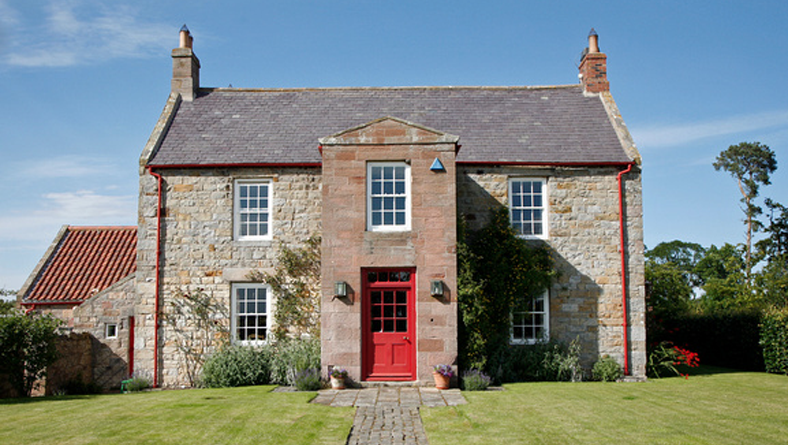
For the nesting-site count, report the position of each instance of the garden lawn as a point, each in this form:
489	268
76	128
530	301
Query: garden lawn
247	415
722	408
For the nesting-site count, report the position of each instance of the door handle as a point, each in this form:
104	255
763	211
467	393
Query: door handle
406	338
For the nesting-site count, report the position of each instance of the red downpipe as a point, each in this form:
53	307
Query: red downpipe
158	272
623	267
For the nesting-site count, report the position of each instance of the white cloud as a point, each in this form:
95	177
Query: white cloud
84	32
68	166
83	207
679	134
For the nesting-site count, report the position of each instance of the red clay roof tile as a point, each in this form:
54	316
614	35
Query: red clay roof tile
86	261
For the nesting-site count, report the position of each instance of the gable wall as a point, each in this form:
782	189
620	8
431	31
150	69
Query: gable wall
199	250
585	302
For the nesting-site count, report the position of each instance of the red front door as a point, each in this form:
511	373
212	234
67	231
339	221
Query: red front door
388	322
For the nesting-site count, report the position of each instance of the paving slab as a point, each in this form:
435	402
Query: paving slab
389	415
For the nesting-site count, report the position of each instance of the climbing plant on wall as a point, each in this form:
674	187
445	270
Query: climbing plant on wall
296	285
498	273
199	327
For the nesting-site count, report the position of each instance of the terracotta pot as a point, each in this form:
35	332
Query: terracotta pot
441	381
337	383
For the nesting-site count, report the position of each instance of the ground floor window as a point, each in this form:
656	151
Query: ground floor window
250	313
111	330
533	325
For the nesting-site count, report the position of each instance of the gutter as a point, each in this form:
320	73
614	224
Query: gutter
622	249
157	296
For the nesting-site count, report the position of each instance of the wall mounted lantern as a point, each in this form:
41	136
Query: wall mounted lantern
340	289
436	288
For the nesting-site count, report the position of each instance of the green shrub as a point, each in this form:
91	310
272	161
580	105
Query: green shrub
138	383
237	366
774	340
289	357
547	362
475	380
307	379
607	369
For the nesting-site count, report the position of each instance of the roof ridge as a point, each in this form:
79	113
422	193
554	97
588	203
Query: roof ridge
423	87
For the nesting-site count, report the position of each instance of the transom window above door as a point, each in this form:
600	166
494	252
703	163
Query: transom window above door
388	196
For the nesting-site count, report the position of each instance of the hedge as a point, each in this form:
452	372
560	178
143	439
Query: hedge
774	340
728	338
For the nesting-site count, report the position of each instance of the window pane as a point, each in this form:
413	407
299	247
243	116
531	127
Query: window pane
402	296
388	297
388	311
376	325
388	325
402	325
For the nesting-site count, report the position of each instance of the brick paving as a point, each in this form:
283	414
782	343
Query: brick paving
389	416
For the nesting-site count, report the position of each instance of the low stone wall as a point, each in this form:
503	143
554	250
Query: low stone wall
75	362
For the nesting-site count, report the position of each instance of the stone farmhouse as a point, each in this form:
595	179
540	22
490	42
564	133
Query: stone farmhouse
229	176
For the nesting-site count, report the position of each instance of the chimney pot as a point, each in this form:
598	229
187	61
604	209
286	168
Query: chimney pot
185	37
593	41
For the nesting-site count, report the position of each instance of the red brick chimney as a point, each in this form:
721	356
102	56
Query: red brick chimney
593	67
185	67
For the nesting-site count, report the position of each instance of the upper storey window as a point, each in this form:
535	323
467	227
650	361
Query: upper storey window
388	196
252	219
528	206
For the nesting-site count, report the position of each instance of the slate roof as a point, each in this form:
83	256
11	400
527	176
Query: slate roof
85	261
495	124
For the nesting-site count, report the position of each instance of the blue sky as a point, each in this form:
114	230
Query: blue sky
83	82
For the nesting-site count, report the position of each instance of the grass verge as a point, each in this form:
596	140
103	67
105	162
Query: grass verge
248	415
708	408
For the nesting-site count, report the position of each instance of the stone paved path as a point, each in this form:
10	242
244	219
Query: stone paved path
388	416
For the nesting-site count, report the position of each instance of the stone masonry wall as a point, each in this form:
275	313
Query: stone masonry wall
198	246
429	247
114	305
585	302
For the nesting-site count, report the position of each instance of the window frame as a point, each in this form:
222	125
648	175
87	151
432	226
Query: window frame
235	314
544	208
237	212
532	339
107	330
406	194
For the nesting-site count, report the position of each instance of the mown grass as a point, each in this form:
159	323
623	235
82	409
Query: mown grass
248	415
710	408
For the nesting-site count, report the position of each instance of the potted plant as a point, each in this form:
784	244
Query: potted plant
442	375
338	376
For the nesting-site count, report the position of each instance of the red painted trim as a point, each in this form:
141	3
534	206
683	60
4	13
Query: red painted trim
547	164
320	164
30	309
366	335
45	303
251	164
623	266
131	345
158	273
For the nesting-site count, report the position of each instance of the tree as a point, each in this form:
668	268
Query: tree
27	347
750	163
772	280
722	277
683	256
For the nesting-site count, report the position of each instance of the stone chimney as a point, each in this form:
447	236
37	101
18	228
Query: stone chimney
185	67
593	67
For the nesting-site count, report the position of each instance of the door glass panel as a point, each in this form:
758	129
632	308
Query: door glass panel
402	325
388	297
